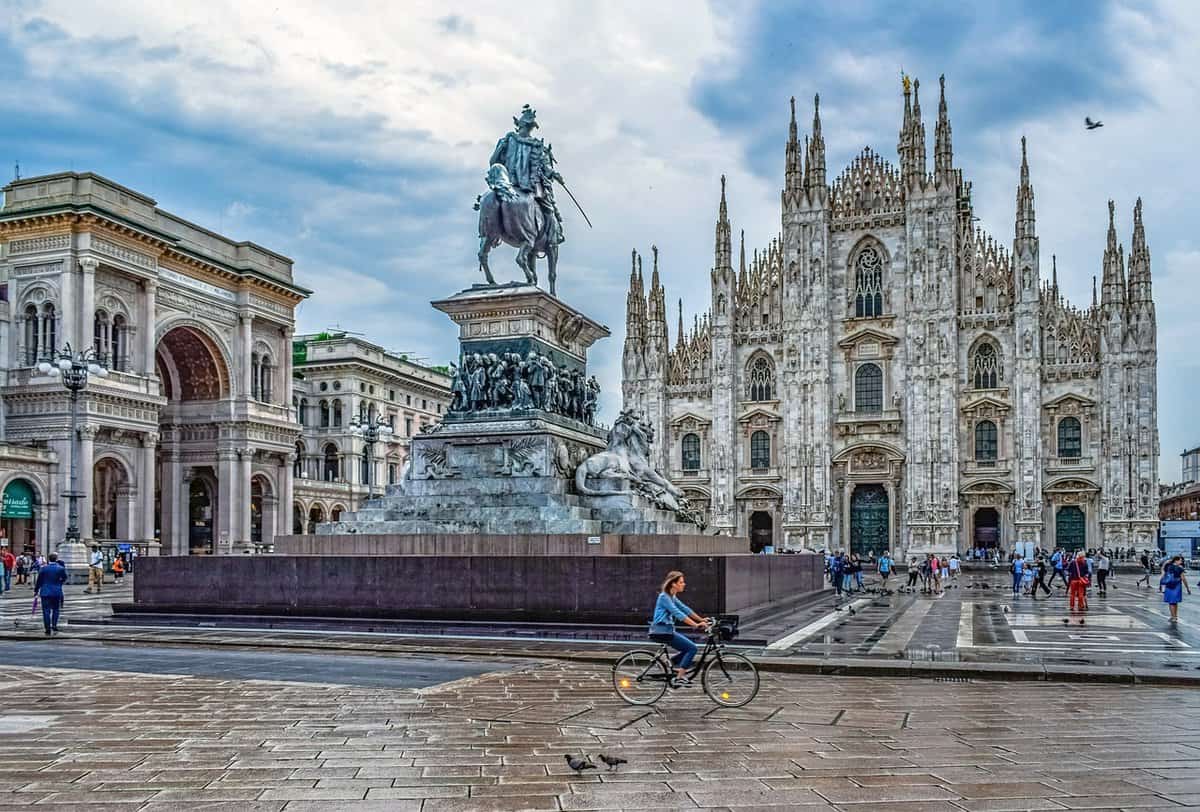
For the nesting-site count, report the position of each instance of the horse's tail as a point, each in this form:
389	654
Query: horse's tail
499	182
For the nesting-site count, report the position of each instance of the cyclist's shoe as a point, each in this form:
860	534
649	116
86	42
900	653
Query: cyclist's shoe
681	682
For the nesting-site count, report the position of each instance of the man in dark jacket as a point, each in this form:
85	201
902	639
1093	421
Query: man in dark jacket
49	588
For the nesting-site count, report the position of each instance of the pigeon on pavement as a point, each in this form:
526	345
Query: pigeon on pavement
613	762
579	764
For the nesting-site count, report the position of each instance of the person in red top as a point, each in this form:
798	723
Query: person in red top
1077	583
7	562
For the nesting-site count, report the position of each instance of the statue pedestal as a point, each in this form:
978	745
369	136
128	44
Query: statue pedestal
520	318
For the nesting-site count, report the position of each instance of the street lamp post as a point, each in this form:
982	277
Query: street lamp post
371	432
74	368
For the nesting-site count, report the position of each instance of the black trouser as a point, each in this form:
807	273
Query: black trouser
1059	574
1039	583
1102	580
912	578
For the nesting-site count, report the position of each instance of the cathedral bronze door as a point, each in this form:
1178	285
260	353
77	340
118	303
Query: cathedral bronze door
869	520
1070	528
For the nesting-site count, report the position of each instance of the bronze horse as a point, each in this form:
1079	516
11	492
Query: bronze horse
509	215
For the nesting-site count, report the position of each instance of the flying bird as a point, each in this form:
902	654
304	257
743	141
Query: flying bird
1091	125
613	762
579	764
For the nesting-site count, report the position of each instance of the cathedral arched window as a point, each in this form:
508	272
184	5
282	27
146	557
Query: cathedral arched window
100	332
302	412
324	409
985	366
761	381
298	463
337	413
985	440
868	283
365	467
691	452
760	450
1070	438
868	389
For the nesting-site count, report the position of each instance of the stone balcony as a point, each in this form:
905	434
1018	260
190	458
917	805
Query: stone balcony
1000	467
1056	465
887	421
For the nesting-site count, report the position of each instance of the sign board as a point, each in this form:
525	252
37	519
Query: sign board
1179	529
18	500
1178	546
124	548
593	539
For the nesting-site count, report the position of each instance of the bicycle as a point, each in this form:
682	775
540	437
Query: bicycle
641	676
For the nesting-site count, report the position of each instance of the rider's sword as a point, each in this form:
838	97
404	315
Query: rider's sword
576	202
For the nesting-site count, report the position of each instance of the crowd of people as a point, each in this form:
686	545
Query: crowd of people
1041	572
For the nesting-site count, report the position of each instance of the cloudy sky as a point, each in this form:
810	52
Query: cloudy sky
353	136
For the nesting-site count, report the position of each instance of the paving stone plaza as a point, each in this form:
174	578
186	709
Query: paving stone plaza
496	742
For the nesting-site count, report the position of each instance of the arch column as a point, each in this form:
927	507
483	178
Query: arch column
86	471
242	499
87	308
228	519
127	506
286	484
147	479
270	514
148	345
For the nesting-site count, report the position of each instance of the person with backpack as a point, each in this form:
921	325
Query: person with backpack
837	571
1059	567
1172	584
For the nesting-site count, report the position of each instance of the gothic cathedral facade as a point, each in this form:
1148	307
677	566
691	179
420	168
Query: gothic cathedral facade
886	376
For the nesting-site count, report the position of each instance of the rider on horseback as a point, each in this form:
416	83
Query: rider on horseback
530	165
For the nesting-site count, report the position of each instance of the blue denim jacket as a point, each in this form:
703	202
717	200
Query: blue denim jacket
666	611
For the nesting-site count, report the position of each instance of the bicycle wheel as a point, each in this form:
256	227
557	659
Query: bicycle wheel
640	677
730	680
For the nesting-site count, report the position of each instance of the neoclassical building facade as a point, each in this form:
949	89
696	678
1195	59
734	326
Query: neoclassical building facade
340	380
187	445
885	375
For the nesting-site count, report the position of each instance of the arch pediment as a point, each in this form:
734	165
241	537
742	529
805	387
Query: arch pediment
868	334
759	492
889	452
758	417
987	486
690	420
1071	484
1070	403
987	406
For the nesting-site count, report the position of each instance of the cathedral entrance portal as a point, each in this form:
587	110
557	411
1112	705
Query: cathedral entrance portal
987	528
761	530
869	520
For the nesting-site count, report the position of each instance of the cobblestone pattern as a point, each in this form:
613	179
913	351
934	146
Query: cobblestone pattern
136	742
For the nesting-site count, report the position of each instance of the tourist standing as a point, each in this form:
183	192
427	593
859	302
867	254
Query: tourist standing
22	569
96	570
854	582
837	569
118	568
955	567
914	570
1077	583
1018	573
1172	584
1102	564
49	586
8	563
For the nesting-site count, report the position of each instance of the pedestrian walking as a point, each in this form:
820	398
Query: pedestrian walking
96	570
1077	583
1102	564
8	562
955	568
1172	584
118	569
1058	566
856	568
49	586
837	572
22	569
1039	578
1027	578
36	566
1145	562
885	569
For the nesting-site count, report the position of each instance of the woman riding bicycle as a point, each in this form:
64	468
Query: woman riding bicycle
668	609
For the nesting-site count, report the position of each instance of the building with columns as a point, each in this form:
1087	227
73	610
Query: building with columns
340	380
187	446
884	375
